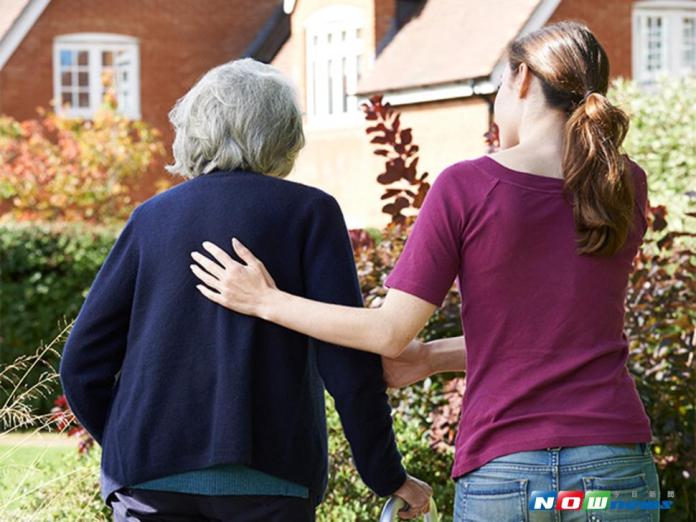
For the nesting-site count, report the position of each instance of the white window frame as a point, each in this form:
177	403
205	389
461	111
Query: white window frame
341	56
672	14
94	44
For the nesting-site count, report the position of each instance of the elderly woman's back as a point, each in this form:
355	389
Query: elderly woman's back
167	381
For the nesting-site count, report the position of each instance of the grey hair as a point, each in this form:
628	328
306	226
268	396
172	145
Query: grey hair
242	114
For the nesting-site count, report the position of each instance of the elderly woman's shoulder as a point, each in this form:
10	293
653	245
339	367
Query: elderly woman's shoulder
275	188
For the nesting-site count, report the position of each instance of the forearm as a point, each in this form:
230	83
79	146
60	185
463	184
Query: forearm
446	355
367	329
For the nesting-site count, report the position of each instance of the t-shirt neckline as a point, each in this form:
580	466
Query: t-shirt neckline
526	179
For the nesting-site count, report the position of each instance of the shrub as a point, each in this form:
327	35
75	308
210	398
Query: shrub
662	139
45	272
74	169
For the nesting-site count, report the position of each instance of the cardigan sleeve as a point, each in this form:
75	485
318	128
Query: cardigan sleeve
95	348
353	378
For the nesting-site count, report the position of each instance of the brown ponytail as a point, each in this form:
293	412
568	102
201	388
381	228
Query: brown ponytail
574	72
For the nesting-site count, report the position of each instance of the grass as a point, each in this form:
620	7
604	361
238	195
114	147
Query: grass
43	478
25	468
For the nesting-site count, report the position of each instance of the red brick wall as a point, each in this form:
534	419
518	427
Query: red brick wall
610	21
179	41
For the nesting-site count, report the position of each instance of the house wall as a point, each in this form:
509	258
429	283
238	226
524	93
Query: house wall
338	158
179	41
611	24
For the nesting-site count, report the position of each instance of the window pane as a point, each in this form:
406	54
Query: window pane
82	58
330	86
689	40
107	77
66	98
83	99
66	78
344	85
83	79
314	87
107	58
66	58
654	43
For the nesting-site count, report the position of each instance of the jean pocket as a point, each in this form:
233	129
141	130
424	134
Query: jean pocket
623	501
484	501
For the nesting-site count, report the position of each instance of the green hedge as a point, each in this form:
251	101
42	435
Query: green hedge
45	272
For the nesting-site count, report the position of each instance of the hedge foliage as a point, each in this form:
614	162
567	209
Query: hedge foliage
662	139
45	272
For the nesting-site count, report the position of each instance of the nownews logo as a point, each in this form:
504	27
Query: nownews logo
590	500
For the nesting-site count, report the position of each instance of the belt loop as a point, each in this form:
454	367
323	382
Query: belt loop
644	448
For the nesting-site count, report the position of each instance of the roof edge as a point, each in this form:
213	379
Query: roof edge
541	14
473	86
479	86
19	29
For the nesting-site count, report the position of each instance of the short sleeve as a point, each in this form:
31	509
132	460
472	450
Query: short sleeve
431	257
642	200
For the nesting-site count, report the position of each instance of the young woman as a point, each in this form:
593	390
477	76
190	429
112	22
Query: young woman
541	238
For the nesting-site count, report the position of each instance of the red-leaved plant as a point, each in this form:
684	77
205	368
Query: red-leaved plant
64	418
405	188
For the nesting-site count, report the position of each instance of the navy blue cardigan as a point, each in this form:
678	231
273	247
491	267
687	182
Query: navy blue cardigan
167	381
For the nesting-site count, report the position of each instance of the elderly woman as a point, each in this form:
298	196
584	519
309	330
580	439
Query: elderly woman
203	413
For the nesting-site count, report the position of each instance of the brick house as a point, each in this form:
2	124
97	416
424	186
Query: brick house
439	61
58	50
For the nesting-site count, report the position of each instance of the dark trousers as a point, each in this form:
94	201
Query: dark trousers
135	505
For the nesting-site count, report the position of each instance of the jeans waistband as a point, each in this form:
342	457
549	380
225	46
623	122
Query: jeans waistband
574	455
641	447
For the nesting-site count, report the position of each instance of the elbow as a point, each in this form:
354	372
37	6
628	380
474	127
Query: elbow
392	341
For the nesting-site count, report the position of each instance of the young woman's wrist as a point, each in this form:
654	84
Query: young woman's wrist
268	305
428	357
434	359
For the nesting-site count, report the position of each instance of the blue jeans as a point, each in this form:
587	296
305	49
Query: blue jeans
501	489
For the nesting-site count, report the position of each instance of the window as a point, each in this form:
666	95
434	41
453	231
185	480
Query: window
335	58
89	66
664	39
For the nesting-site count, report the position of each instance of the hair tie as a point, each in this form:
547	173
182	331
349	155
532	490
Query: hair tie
587	95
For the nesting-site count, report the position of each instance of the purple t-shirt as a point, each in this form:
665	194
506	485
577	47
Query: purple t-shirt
546	350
